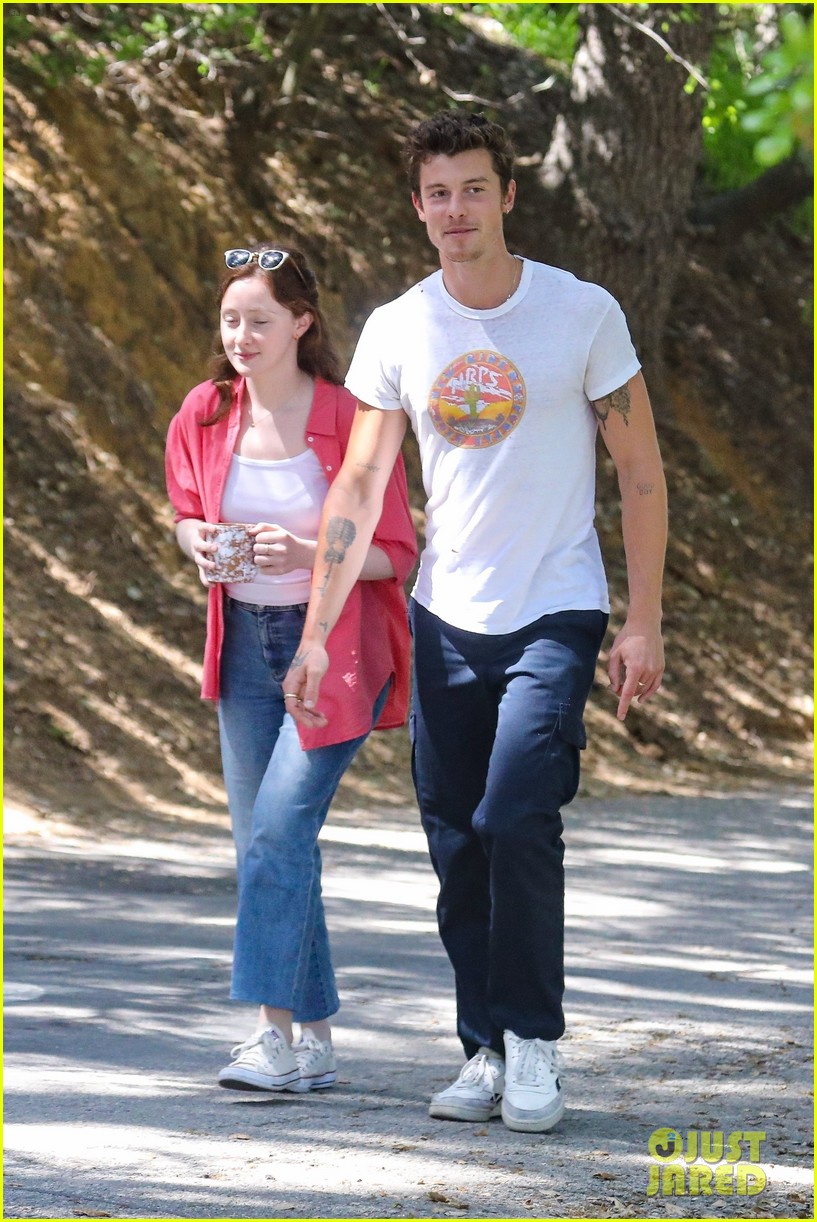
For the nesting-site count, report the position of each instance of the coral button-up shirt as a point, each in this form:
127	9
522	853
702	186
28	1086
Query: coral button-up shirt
370	642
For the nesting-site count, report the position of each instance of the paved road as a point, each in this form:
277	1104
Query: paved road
689	1005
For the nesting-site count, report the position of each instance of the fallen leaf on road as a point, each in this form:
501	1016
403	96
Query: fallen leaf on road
434	1195
604	1175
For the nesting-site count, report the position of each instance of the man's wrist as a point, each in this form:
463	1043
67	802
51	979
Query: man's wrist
314	638
645	620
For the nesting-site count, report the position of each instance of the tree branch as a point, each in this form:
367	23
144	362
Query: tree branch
663	44
428	75
777	189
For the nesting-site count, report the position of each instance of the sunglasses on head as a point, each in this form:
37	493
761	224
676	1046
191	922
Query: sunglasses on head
267	260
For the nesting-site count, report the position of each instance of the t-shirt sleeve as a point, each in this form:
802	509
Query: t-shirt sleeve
612	358
374	375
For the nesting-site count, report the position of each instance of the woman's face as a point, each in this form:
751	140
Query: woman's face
260	336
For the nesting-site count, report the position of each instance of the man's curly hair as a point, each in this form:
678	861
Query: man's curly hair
457	131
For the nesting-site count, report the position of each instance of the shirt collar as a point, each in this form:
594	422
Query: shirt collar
323	417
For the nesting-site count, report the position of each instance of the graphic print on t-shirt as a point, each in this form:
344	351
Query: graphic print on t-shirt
477	400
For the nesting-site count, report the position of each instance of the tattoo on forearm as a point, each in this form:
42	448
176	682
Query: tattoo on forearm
368	466
616	401
299	659
644	489
340	535
324	627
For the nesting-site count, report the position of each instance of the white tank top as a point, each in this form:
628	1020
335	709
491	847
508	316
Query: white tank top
288	493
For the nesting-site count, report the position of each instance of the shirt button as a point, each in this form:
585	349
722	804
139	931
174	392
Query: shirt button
328	468
310	438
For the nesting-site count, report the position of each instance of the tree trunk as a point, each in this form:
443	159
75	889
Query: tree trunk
623	156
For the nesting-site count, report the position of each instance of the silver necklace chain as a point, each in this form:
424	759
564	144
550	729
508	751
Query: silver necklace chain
517	279
514	284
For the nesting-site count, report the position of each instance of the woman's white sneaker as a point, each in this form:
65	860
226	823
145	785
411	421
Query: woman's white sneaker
476	1094
533	1100
265	1061
316	1063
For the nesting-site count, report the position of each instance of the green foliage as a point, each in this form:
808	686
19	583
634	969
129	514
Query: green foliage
83	45
728	147
759	109
782	96
551	30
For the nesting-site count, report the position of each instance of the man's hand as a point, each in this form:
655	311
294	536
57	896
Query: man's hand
302	686
636	665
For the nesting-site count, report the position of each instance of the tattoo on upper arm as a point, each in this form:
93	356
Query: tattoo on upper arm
368	466
644	489
616	401
340	535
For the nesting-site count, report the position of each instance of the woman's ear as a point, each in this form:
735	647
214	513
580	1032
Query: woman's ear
302	325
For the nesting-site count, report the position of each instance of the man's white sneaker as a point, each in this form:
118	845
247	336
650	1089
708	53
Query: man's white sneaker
316	1062
477	1092
533	1100
265	1061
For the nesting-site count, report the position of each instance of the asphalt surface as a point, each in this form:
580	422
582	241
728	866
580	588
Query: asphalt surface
689	1003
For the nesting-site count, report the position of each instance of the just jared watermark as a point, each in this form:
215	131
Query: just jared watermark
705	1162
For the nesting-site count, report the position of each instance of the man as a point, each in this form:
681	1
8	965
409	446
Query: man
506	369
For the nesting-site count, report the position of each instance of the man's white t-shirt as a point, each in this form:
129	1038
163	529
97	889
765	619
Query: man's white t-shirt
499	401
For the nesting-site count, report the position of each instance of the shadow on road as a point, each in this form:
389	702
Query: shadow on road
689	997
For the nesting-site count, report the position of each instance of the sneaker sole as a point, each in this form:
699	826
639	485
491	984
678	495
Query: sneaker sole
532	1122
247	1079
321	1082
461	1111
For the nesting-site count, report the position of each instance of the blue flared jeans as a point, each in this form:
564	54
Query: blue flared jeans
279	796
496	734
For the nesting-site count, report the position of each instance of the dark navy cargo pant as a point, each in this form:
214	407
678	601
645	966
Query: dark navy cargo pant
497	727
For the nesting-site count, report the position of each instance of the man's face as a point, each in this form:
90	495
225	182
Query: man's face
462	205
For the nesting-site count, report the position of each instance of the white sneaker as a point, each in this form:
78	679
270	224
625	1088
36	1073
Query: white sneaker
265	1061
316	1062
533	1100
477	1092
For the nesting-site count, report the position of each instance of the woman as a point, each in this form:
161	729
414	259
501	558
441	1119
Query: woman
260	443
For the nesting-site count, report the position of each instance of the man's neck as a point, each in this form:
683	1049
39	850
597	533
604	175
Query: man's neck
483	284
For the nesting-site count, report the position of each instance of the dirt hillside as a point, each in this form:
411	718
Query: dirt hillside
120	197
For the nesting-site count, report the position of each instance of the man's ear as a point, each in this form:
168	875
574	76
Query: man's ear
510	196
418	205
